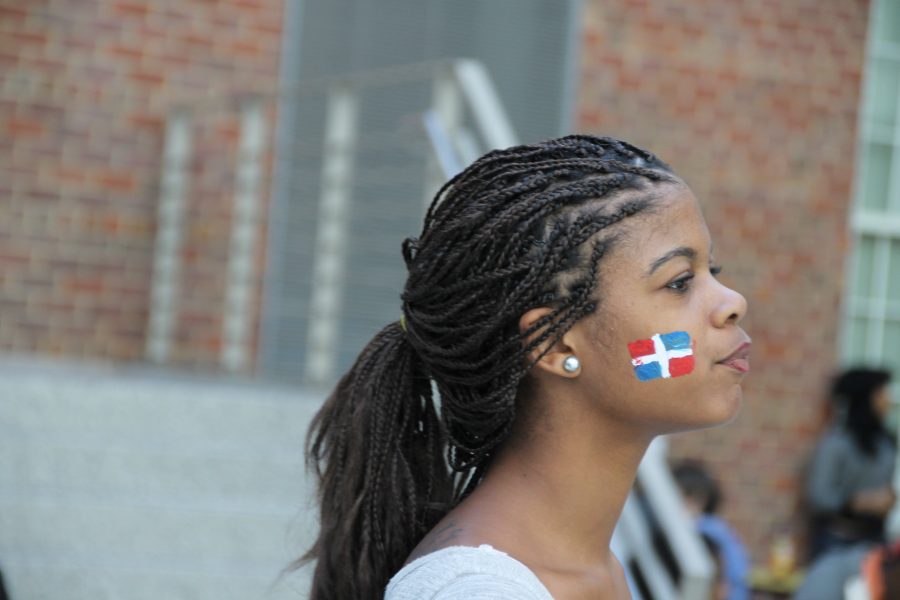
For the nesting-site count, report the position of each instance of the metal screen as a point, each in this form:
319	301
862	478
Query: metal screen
356	168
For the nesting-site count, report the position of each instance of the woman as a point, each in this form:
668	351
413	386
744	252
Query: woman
563	301
849	486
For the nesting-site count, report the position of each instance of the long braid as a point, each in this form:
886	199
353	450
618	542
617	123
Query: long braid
520	228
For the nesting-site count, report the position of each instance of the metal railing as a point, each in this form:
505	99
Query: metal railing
457	87
633	537
239	269
464	112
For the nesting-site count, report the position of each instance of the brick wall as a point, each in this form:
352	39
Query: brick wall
755	105
85	88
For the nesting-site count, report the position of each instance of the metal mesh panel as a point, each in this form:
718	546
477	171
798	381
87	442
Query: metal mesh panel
526	47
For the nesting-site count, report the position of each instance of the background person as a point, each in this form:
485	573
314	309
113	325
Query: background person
849	487
702	497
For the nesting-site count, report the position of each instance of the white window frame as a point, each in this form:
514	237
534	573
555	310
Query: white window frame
883	226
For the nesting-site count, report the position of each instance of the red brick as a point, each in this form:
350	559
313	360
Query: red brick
81	286
70	175
24	127
120	182
131	9
148	78
12	13
25	38
245	48
119	51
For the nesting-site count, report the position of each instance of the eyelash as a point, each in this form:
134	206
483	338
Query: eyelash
684	282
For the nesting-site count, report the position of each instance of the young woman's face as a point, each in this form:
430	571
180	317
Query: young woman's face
660	279
881	402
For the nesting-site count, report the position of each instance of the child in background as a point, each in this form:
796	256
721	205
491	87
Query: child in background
702	497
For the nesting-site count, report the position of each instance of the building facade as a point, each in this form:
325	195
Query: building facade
756	106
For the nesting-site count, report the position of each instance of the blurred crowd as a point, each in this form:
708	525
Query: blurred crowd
844	510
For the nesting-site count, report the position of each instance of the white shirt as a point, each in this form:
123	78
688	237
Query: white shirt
466	573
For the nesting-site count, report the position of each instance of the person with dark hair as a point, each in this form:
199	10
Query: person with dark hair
849	488
561	309
700	491
702	496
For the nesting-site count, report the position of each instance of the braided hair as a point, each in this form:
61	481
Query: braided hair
855	390
514	231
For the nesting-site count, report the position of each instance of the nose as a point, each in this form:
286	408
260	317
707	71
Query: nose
731	307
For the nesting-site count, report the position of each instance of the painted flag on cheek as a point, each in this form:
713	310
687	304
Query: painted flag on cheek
662	356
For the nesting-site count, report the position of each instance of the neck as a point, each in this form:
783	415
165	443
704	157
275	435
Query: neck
566	488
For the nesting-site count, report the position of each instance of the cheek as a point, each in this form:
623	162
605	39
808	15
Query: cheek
660	374
626	370
663	356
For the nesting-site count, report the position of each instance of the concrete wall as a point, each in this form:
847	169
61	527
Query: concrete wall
130	485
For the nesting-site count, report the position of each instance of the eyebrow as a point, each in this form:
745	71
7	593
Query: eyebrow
684	251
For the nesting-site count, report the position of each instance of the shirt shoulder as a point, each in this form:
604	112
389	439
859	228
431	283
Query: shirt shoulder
837	437
466	573
835	445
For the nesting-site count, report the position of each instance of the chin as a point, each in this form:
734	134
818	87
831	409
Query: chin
719	410
723	410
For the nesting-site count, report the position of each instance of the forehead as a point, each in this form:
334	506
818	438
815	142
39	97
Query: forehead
674	221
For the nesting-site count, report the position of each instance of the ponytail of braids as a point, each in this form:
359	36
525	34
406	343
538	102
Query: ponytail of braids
377	449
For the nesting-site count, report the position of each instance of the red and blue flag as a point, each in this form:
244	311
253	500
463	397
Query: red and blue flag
664	355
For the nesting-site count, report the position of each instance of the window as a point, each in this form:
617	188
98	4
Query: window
871	333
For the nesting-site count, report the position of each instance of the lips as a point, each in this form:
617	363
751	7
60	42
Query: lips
739	360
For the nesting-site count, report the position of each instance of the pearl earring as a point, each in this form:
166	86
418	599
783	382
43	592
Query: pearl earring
571	364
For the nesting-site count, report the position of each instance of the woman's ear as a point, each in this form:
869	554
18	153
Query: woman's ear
550	357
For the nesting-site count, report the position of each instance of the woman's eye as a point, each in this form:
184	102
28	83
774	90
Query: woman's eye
681	284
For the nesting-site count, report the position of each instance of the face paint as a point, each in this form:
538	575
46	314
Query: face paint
662	356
